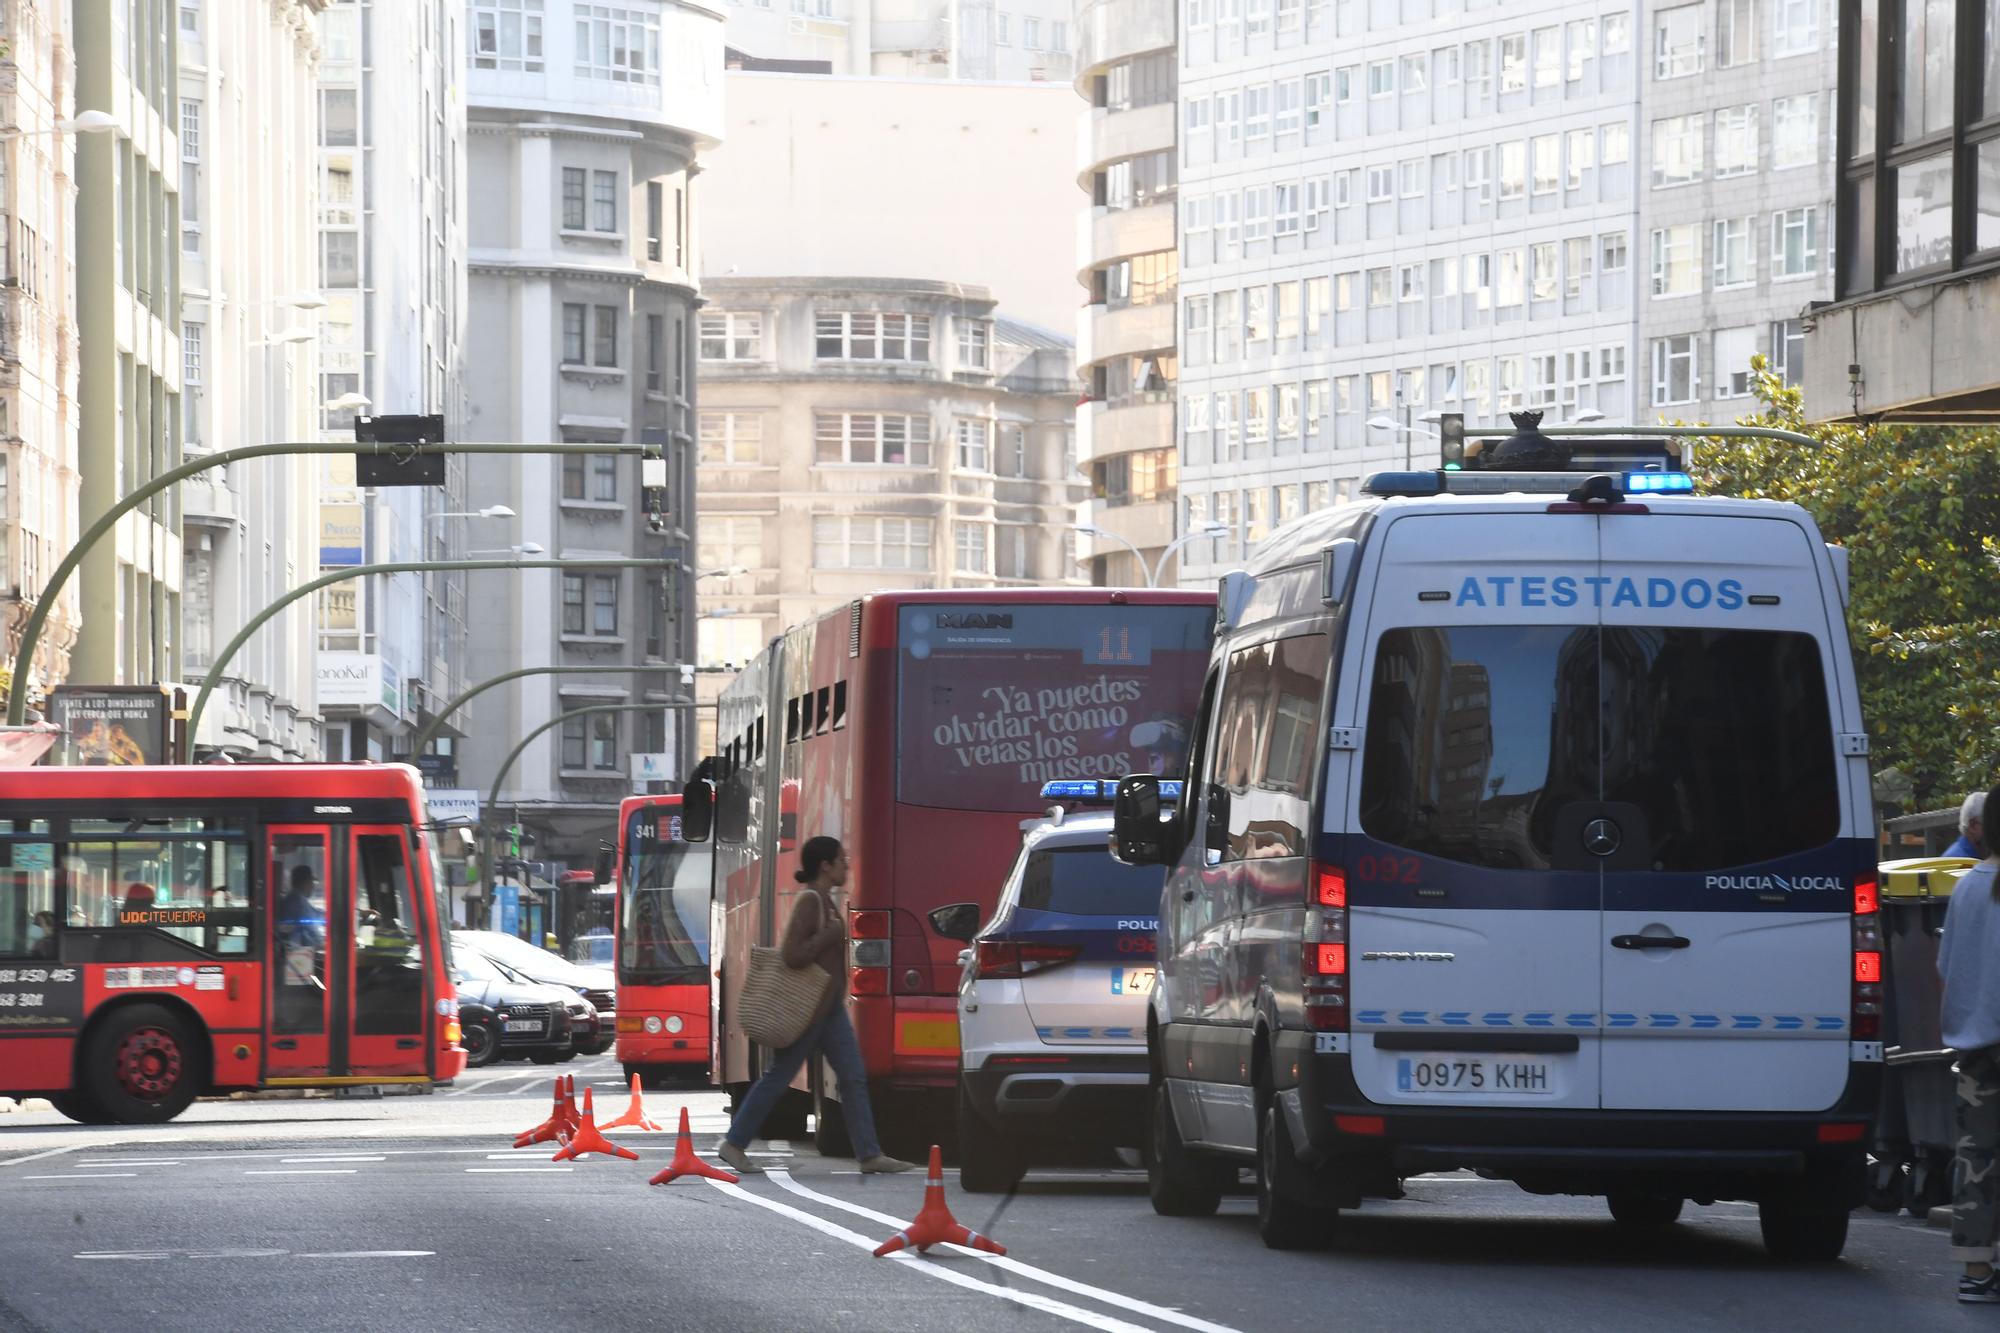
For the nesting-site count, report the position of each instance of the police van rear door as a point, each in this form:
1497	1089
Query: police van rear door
1474	914
1726	947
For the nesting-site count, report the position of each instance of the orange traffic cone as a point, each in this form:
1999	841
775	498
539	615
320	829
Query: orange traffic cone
588	1139
685	1163
635	1114
554	1127
935	1225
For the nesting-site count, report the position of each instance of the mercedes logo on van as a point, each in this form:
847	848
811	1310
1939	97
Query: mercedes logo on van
1601	837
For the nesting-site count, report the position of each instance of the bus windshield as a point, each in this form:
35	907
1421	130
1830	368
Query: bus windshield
996	699
663	913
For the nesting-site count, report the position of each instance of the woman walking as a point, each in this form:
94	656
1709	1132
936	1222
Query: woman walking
816	933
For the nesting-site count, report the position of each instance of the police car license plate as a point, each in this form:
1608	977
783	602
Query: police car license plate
523	1025
1132	980
1446	1075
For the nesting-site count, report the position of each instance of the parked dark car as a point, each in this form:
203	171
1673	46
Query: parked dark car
523	959
505	1016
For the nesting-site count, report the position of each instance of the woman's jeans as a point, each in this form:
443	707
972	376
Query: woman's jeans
832	1036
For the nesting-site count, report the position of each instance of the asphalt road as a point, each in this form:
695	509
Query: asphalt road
399	1212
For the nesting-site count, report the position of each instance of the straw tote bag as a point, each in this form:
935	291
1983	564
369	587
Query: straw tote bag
779	1003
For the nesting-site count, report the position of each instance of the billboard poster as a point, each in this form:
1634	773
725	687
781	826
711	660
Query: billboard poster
113	726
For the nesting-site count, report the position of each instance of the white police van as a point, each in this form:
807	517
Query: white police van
1528	832
1052	1000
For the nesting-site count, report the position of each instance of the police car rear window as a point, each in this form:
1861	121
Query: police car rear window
1085	881
1478	737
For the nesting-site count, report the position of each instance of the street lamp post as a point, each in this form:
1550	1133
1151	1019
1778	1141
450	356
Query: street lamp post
256	622
45	603
1211	528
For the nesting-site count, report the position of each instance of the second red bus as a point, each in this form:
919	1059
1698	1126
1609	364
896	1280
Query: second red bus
665	885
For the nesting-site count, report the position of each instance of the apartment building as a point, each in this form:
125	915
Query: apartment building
1736	197
1128	264
1390	211
38	384
247	115
586	130
872	433
1003	41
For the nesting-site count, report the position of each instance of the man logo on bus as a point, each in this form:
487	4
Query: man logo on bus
974	620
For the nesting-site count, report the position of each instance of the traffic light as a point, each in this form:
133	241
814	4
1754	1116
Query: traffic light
514	841
1451	437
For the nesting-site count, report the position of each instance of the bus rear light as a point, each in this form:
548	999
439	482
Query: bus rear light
631	1023
870	926
1330	960
452	1032
1002	958
868	953
869	980
1867	968
1332	886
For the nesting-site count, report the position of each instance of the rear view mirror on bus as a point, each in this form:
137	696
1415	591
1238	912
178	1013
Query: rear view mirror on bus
1140	832
697	810
959	921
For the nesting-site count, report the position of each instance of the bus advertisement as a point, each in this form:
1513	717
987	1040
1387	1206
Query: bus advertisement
173	932
919	728
665	886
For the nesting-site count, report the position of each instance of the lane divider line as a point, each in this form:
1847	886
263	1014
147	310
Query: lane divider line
1166	1314
78	1175
370	1254
38	1156
518	1170
314	1171
341	1157
1032	1300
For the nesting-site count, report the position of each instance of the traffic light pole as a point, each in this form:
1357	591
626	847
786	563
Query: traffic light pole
258	621
507	765
45	602
459	700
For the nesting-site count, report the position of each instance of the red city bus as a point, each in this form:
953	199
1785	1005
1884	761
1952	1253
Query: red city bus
665	887
170	932
918	728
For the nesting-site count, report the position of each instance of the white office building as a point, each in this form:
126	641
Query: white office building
1004	41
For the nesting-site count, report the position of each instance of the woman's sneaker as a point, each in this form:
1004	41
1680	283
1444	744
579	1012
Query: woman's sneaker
1980	1290
739	1161
879	1165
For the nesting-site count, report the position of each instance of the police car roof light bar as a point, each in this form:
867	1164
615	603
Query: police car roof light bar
1101	791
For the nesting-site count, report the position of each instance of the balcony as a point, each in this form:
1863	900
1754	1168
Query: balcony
1121	234
1131	331
1109	30
1103	430
1108	136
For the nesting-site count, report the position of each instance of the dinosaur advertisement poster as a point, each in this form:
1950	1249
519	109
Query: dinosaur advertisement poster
107	726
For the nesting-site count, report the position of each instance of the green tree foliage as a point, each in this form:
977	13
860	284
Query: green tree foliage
1918	510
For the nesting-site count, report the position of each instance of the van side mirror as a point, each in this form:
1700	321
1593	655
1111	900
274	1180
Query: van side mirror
959	921
1141	833
697	810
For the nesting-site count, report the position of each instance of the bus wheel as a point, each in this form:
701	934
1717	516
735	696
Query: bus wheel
80	1108
141	1066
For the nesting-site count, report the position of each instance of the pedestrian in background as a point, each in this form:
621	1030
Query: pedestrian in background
1969	963
1971	828
816	932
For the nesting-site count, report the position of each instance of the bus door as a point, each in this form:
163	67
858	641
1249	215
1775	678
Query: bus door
385	1010
299	873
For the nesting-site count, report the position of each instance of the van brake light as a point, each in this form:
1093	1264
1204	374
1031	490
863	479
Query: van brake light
1867	897
1332	886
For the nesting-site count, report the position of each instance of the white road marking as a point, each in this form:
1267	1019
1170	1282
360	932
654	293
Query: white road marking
124	1254
78	1175
489	1084
316	1171
915	1263
38	1156
123	1161
498	1170
338	1157
1166	1314
372	1254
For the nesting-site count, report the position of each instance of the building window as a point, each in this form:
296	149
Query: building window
1735	141
575	742
974	338
1736	32
340	259
655	220
604	337
893	438
1144	476
604	478
1795	27
604	742
1612	253
573	212
1794	132
1735	265
339	118
619	44
1514	63
1548	57
1794	243
507	35
866	542
1545	161
969	549
731	437
731	336
604	201
856	336
1576	265
972	446
191	347
574	590
1788	350
1677	150
1733	350
1381	78
1581	37
731	541
656	351
1677	42
573	335
1673	370
1676	261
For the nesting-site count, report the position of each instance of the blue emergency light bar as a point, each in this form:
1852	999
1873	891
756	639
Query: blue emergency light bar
1658	483
1100	791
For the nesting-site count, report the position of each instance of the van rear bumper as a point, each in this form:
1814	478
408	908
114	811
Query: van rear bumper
1713	1153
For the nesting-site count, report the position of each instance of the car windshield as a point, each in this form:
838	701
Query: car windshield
1085	881
664	890
472	965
